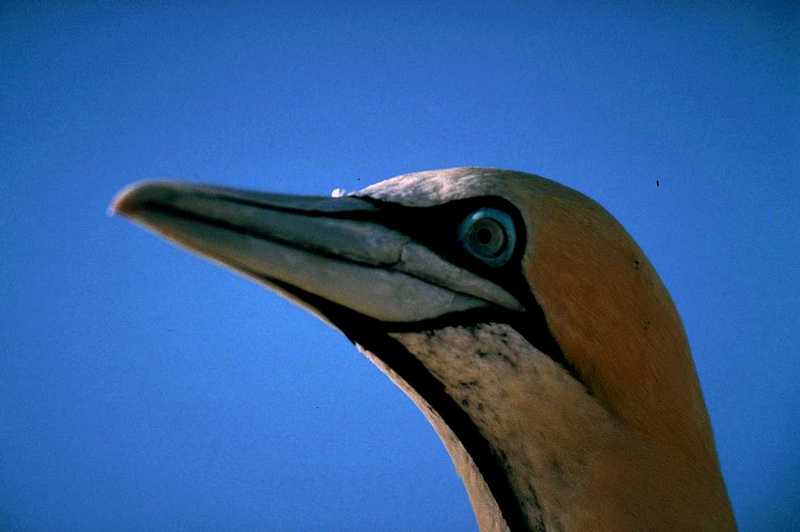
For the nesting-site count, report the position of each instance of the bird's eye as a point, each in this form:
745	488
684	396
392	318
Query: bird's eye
488	234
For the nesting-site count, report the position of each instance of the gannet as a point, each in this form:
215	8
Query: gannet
518	314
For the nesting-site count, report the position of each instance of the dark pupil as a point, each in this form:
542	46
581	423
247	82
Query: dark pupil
484	236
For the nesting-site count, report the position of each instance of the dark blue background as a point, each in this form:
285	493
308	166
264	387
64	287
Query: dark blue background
143	389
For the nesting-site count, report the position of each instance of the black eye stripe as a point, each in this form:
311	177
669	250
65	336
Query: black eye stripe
435	228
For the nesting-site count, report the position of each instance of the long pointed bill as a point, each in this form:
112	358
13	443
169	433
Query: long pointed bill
333	248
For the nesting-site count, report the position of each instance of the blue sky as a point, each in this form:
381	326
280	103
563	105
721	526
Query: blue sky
143	389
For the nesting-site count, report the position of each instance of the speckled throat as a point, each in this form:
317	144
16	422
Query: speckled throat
526	406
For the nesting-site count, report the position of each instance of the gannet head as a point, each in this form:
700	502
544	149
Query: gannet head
520	316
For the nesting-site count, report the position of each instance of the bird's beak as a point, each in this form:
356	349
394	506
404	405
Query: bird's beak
335	249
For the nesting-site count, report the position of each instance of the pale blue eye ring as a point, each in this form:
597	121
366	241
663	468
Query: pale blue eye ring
488	235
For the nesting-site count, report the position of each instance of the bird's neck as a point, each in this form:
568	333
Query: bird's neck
571	465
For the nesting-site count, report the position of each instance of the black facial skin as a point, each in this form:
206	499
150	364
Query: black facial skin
437	229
